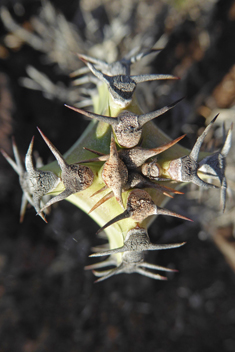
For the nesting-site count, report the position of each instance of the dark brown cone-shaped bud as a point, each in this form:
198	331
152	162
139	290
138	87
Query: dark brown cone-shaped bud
115	173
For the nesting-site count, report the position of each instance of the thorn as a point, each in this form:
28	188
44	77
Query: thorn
162	211
135	157
122	216
197	146
143	119
99	191
107	119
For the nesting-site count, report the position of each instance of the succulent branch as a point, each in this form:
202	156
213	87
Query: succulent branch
132	154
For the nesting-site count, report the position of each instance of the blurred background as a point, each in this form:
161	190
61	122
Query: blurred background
48	302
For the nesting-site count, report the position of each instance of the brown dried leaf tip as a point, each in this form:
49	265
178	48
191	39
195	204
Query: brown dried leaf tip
139	207
127	126
34	183
136	243
75	177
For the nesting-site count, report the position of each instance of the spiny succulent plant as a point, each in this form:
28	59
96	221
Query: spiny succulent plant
133	153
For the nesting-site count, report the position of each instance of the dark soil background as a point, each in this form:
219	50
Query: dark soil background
47	301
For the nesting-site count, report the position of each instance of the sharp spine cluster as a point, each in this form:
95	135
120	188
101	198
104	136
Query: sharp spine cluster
136	243
75	177
139	207
122	86
214	165
34	183
121	67
185	169
127	126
